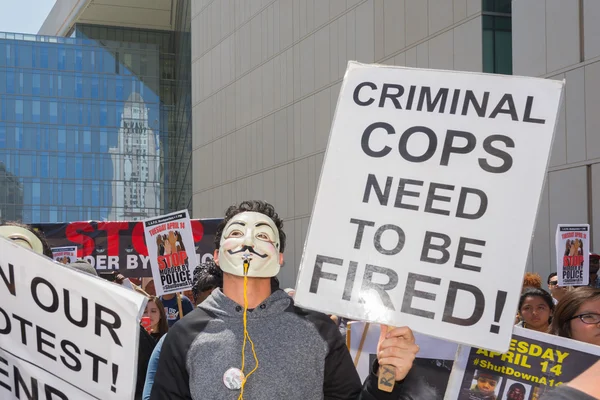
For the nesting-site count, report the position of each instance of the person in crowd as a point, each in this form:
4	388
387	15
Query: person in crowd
158	320
301	353
594	266
583	387
150	288
516	392
484	389
26	236
532	280
172	307
577	316
535	309
558	292
207	277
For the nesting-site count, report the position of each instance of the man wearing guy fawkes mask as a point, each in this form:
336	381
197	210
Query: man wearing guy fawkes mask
249	340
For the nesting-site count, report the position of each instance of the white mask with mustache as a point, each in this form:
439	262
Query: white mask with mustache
253	236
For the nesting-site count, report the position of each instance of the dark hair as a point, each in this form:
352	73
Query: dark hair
552	275
567	308
486	374
207	276
535	292
163	325
517	385
47	251
255	206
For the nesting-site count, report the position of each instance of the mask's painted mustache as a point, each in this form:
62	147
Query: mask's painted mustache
247	248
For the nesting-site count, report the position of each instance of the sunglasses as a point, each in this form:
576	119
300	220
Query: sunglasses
553	283
589	318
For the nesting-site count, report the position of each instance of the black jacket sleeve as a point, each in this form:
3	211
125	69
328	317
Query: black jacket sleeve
145	347
171	381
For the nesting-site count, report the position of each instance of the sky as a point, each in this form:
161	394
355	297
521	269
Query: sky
23	16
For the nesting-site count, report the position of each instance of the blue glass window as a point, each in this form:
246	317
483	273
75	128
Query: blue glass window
35	86
79	87
35	110
78	60
10	82
62	139
19	110
95	87
62	166
87	141
44	56
103	115
53	112
62	59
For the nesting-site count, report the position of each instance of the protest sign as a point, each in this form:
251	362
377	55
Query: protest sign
168	239
120	245
65	255
572	254
535	363
64	335
427	200
432	365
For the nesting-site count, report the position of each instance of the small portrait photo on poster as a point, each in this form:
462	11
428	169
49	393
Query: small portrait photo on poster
514	390
484	386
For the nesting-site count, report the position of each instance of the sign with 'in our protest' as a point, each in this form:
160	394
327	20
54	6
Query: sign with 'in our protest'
170	246
427	200
64	334
572	254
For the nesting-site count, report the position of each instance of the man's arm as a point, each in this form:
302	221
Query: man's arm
186	305
583	387
172	379
152	365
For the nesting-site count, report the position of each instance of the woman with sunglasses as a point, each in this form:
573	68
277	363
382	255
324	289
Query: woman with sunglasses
577	316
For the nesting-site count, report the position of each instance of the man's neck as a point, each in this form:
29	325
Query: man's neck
258	289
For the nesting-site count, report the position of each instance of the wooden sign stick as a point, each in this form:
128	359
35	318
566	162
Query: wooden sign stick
179	305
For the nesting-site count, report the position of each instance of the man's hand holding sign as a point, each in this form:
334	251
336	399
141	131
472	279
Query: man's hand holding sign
396	352
432	186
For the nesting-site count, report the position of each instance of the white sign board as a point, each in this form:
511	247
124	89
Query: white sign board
65	255
427	200
169	239
572	254
64	334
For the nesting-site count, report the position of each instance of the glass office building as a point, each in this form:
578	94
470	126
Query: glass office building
81	130
174	89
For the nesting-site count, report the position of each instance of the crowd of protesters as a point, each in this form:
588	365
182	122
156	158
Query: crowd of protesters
570	312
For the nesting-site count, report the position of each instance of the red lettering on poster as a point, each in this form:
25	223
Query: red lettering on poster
73	232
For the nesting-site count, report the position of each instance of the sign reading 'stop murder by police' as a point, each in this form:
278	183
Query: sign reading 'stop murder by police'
427	200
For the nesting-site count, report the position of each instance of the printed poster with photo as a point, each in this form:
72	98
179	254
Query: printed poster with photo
535	364
65	255
170	245
572	254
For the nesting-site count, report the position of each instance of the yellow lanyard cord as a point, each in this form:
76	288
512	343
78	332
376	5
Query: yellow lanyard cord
246	334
